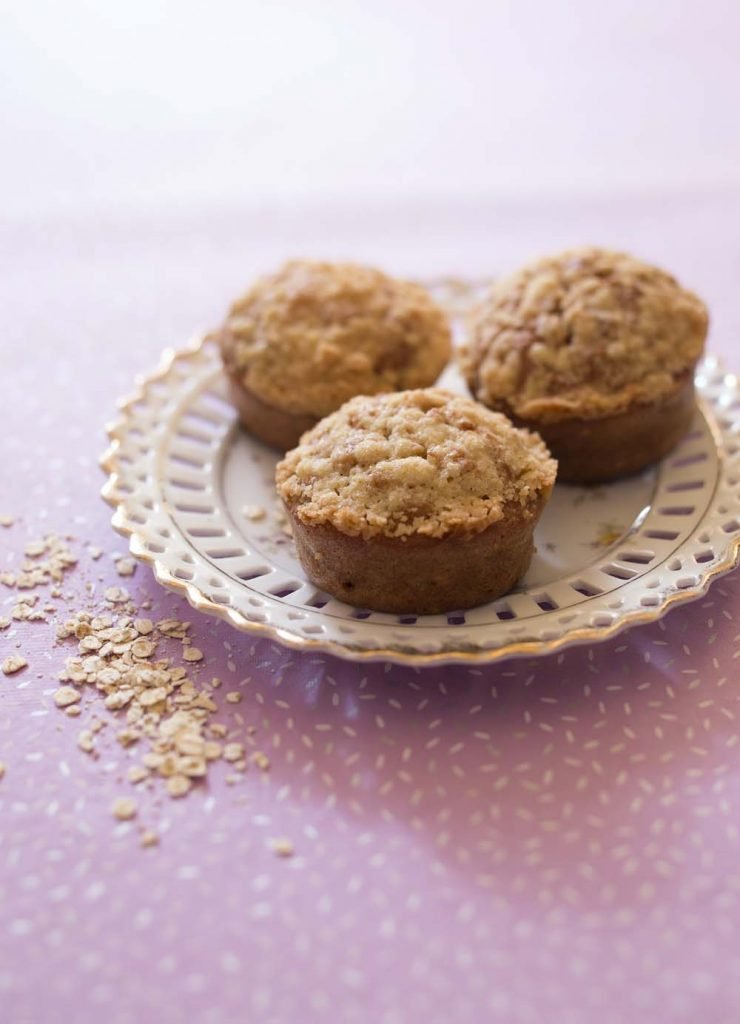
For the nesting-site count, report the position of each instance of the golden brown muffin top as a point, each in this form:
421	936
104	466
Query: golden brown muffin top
312	335
425	462
585	333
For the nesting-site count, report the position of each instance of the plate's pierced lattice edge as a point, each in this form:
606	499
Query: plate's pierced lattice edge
216	576
199	504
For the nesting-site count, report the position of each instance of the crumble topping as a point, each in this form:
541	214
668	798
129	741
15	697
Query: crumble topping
588	333
424	462
312	335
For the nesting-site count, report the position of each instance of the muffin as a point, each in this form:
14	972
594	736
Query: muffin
594	350
304	340
415	502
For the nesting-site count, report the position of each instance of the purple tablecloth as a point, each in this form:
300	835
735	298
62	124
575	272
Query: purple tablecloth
553	839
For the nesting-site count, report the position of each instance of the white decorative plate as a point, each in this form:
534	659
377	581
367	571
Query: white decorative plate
185	482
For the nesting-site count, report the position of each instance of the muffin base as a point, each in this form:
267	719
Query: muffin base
600	450
276	427
419	575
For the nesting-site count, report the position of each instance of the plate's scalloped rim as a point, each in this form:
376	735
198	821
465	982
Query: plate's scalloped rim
399	654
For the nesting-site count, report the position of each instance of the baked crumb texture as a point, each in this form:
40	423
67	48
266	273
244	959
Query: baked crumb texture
587	333
312	335
423	463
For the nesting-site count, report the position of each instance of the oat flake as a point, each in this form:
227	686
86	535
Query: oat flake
124	808
13	663
66	695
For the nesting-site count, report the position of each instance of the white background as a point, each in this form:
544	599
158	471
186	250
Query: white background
163	102
175	149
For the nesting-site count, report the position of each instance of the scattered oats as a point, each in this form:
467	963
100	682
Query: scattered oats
108	677
193	767
37	571
178	785
73	711
205	702
261	760
85	741
65	696
55	592
283	847
161	707
173	628
6	521
26	611
254	512
149	698
94	552
125	566
127	737
148	838
118	699
2	769
13	663
4	623
190	744
124	808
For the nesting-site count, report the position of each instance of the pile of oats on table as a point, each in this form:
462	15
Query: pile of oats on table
121	675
